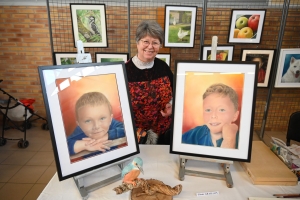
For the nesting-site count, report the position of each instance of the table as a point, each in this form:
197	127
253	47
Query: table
161	165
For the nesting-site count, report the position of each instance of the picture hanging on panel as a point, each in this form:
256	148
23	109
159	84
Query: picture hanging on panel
165	57
288	70
213	107
265	58
246	26
89	24
111	57
65	58
180	25
89	114
224	52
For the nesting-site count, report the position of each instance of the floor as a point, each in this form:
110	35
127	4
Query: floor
24	172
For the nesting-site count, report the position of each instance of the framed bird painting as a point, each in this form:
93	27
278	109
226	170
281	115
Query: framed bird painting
89	24
180	25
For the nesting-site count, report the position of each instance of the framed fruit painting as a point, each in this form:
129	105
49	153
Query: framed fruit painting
224	52
246	26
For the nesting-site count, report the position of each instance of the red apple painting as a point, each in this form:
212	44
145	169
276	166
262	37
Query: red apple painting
246	26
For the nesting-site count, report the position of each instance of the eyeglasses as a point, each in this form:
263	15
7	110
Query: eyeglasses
147	43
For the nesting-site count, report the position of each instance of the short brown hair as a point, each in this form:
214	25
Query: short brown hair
151	28
223	90
93	99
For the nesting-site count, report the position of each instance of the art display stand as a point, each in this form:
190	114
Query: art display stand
82	180
225	164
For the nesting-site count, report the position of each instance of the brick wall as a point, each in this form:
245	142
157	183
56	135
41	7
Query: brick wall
25	45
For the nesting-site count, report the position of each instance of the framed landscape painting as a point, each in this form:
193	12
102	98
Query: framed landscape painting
265	58
213	107
65	58
180	25
224	52
288	70
111	57
165	57
89	24
246	26
75	101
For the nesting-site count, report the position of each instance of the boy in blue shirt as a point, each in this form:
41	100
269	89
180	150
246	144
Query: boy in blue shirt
220	111
96	126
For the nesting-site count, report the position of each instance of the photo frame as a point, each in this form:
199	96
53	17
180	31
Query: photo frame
73	120
89	24
180	25
224	52
239	81
288	70
265	59
65	58
165	57
111	57
246	26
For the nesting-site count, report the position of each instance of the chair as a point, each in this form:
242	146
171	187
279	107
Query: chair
293	132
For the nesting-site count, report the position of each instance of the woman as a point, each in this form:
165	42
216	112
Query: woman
150	84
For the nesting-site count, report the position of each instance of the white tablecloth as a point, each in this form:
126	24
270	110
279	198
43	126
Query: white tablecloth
161	165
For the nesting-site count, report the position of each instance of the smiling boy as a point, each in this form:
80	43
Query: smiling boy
220	111
96	126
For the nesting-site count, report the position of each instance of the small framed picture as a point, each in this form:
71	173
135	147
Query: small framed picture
224	52
111	57
213	107
89	24
165	57
65	58
89	115
288	70
265	58
180	25
246	26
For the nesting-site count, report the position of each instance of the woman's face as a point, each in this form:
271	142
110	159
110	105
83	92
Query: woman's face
147	48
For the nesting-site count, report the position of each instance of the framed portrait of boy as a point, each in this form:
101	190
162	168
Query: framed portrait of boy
89	115
180	25
213	107
89	24
246	26
165	57
288	70
224	52
111	57
265	58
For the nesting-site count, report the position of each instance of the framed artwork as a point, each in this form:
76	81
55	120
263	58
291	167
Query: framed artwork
111	57
213	107
246	26
288	70
89	24
85	105
165	57
224	52
65	58
180	25
265	58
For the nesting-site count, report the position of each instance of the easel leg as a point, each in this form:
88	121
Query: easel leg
80	185
227	174
182	169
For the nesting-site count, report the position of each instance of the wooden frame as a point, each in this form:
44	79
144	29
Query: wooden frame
89	24
288	70
246	26
180	25
62	86
165	57
224	52
192	80
111	57
265	58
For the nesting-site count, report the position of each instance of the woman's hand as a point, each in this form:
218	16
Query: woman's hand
167	111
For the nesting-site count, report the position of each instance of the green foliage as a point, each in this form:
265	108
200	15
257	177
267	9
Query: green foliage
68	61
111	59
